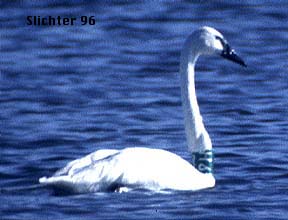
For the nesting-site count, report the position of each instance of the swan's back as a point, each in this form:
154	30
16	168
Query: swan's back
107	170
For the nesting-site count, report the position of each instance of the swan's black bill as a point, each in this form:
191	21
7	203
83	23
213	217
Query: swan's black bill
231	55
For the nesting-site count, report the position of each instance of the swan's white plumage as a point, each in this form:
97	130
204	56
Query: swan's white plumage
153	169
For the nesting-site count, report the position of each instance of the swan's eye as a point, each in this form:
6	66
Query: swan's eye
220	39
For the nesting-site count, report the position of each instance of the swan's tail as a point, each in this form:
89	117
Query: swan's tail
61	184
54	180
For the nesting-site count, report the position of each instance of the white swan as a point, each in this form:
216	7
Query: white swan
155	169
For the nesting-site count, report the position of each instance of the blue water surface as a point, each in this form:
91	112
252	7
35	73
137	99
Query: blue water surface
66	91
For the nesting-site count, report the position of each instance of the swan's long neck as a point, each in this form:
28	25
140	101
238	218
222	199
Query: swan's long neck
198	140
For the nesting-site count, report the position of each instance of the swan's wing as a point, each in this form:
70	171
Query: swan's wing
87	174
80	163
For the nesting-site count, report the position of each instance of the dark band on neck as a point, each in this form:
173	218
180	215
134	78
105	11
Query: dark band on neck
203	161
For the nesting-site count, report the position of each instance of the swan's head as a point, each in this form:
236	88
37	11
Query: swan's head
211	41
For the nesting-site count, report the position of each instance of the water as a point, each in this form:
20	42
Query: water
67	91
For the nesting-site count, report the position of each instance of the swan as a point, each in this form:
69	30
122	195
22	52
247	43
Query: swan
155	169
